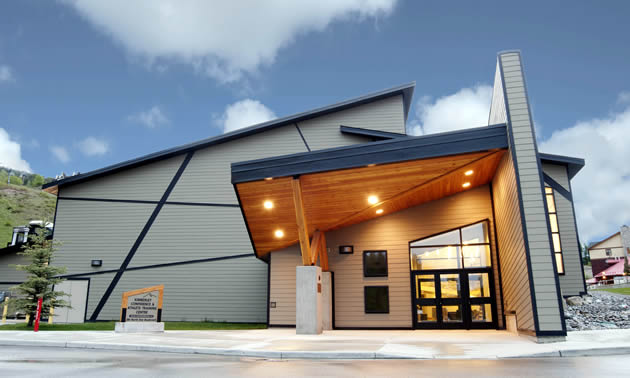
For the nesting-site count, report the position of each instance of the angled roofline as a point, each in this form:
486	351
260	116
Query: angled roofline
406	90
382	152
573	164
376	134
603	240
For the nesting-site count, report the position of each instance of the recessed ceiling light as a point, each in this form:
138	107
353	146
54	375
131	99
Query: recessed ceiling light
268	178
466	184
372	199
379	211
279	233
469	172
268	205
371	165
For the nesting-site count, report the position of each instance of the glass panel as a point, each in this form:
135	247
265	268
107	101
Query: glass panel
427	286
426	313
377	299
375	263
556	242
479	285
436	258
481	312
448	238
475	234
551	205
559	265
476	256
451	314
449	284
553	220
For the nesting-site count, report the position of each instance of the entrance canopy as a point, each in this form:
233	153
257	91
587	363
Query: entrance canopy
292	198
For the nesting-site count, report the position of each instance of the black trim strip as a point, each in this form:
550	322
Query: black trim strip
52	234
154	266
268	288
141	237
557	187
496	247
148	202
377	134
302	136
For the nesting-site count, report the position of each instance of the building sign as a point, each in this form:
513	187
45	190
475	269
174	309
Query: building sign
142	305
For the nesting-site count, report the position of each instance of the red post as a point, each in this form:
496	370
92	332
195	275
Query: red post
39	313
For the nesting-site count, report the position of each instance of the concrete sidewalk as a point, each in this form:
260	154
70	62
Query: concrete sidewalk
285	344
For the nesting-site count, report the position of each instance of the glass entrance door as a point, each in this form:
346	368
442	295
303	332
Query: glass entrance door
453	299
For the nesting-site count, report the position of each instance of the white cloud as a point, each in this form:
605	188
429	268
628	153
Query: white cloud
6	74
221	39
151	118
469	107
602	187
244	113
11	153
624	97
61	153
92	146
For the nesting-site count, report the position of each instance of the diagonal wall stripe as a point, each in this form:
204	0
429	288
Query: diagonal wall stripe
140	238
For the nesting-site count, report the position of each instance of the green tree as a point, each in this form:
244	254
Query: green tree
36	181
42	276
15	180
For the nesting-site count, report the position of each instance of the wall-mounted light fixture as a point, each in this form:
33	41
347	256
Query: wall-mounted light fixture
97	263
346	249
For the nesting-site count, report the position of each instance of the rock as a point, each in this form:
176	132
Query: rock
574	301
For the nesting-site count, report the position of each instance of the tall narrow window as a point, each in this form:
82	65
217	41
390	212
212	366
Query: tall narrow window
555	231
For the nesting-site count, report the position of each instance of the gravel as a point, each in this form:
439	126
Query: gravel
599	310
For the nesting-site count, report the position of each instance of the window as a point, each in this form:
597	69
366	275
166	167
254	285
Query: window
376	299
466	247
555	231
608	252
374	263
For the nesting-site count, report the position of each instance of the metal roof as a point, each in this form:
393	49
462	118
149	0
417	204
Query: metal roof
406	90
382	152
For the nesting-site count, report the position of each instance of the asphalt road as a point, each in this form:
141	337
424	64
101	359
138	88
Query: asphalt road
57	362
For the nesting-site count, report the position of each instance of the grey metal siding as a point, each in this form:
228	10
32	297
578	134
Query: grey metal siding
207	177
524	145
97	231
392	233
9	274
228	290
572	282
193	232
516	290
143	183
385	115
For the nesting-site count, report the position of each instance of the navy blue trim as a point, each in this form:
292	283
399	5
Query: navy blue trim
10	283
574	165
405	90
551	333
52	234
302	136
155	266
149	202
382	152
268	289
140	238
557	187
377	134
520	199
578	240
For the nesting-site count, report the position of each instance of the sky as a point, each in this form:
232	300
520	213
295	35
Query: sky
85	84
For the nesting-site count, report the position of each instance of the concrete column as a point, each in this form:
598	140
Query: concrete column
327	301
308	300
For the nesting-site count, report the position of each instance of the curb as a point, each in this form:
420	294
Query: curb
286	355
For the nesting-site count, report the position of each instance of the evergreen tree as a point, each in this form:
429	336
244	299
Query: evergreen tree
41	277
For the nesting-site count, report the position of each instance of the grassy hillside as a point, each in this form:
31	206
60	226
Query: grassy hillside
21	204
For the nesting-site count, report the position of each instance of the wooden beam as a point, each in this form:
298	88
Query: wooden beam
300	220
315	246
323	253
